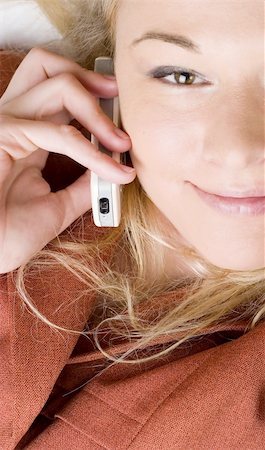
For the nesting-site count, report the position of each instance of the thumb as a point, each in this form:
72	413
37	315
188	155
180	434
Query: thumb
76	199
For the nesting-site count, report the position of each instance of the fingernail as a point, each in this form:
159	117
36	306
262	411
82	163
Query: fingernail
121	133
128	169
110	77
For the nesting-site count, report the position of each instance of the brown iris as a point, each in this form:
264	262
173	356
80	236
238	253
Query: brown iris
179	77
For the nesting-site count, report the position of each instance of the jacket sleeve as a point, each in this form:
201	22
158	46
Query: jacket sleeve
6	364
32	354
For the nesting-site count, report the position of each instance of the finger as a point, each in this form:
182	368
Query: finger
65	91
40	64
75	200
63	139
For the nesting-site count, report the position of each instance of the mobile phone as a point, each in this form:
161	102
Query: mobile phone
105	195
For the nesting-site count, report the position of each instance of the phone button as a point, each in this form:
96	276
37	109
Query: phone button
104	205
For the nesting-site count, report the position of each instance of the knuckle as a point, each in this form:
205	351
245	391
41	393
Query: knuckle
38	54
70	130
35	52
66	78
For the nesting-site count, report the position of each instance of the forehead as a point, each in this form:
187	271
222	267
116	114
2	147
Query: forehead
239	18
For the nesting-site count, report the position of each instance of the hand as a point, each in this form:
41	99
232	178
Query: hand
46	92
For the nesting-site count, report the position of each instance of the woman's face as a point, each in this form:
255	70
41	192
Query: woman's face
206	129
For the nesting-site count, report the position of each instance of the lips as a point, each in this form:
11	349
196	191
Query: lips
239	193
233	205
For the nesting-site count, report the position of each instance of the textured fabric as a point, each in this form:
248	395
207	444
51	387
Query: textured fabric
208	395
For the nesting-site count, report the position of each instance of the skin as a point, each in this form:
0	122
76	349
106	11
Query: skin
212	136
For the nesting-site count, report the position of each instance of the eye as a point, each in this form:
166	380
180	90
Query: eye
178	76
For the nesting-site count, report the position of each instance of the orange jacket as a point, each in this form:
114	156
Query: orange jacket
209	395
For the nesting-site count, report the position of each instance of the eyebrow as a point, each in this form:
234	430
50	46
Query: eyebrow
179	40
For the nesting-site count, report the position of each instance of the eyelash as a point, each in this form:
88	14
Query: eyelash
164	71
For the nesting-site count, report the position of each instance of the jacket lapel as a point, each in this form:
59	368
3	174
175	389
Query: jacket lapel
39	353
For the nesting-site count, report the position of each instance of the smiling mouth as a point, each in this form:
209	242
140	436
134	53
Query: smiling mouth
245	206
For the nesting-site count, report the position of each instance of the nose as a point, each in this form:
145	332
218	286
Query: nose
234	138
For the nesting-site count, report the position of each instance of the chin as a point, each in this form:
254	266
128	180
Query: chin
237	265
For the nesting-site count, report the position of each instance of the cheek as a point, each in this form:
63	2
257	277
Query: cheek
149	130
159	143
165	140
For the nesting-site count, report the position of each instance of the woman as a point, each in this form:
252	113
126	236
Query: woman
187	260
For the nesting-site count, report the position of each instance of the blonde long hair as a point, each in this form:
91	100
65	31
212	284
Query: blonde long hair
212	296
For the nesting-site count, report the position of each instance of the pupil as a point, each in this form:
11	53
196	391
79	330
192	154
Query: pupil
180	77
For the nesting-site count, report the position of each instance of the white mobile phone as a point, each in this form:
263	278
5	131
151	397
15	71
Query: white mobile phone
105	195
